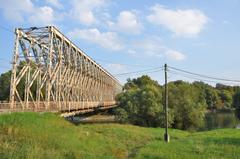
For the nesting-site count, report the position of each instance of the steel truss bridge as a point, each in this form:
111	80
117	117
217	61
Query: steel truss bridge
50	73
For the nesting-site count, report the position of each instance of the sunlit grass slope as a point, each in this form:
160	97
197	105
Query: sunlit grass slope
32	135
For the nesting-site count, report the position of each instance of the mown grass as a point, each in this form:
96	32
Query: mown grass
34	135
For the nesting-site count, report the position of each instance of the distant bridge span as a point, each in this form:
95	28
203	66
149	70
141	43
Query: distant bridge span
50	73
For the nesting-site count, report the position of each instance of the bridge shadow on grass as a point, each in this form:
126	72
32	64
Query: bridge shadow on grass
224	141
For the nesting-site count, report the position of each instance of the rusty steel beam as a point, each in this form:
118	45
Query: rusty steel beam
50	72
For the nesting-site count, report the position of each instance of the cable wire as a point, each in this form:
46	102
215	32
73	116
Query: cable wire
6	29
204	76
144	72
140	71
6	67
124	64
199	79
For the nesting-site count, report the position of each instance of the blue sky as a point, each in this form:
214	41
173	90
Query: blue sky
124	36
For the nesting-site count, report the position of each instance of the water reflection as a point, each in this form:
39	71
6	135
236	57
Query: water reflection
214	120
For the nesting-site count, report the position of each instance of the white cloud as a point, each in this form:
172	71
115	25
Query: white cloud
83	10
153	47
128	22
42	16
108	40
14	10
188	23
175	55
149	46
131	52
25	11
225	22
54	3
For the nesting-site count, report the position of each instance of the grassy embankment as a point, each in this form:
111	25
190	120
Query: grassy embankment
32	135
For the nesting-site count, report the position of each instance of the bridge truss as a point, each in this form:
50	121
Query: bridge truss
50	73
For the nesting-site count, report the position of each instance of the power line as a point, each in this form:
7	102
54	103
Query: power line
6	67
186	76
199	79
147	72
4	60
110	62
6	29
124	64
204	76
140	71
5	63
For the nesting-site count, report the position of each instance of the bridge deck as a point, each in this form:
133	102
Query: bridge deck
65	108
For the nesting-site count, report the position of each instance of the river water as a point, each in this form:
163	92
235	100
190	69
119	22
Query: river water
215	120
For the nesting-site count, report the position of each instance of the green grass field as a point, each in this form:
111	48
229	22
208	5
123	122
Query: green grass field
32	135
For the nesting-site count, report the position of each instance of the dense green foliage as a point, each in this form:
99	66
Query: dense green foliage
219	97
236	102
188	104
5	80
141	103
47	136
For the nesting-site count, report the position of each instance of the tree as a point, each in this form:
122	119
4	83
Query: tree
5	80
226	98
188	104
212	94
212	98
141	103
236	102
224	87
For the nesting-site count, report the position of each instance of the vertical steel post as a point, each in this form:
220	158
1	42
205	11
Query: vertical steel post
49	69
14	70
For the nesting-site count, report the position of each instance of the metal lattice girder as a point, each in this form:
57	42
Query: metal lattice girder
50	72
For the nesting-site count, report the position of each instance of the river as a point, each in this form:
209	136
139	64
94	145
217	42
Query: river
213	120
221	119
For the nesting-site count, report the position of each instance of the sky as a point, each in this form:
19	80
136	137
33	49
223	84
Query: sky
200	36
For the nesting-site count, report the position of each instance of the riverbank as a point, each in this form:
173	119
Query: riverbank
45	135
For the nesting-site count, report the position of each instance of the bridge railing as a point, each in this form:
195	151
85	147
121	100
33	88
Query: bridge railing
57	106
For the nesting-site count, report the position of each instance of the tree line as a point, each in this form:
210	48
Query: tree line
141	102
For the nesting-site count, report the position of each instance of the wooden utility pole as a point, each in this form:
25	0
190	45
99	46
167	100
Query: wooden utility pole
166	135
